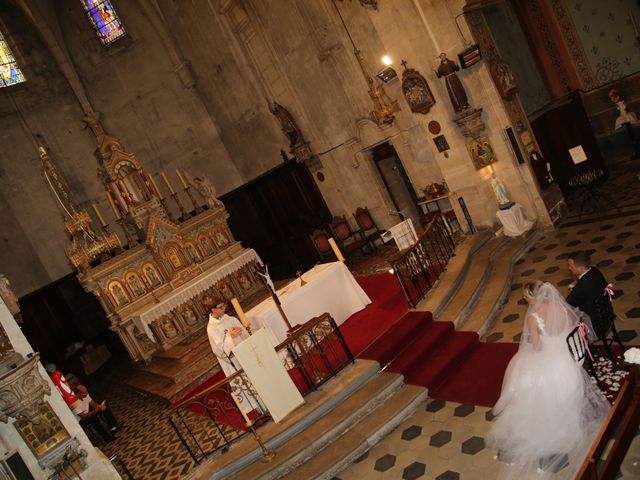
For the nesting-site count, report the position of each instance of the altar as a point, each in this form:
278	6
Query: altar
330	288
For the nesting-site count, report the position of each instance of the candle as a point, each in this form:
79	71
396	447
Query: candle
241	316
155	187
98	214
181	178
113	205
166	181
244	415
336	250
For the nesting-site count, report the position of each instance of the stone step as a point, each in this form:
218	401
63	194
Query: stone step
445	288
174	369
362	437
498	282
178	353
317	406
470	289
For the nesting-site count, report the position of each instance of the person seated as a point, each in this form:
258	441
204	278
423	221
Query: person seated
89	412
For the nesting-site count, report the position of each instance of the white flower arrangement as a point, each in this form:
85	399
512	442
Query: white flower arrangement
632	355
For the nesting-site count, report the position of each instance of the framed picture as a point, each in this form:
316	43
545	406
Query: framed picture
441	143
44	436
481	152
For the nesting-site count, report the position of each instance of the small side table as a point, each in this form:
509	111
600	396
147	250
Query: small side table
513	220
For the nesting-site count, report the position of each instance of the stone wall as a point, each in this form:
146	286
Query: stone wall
189	87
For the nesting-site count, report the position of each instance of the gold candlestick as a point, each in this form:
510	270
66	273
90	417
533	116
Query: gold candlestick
107	232
181	178
99	215
197	207
166	182
163	202
185	215
155	187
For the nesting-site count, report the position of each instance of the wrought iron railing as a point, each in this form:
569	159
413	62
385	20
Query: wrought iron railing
213	419
418	267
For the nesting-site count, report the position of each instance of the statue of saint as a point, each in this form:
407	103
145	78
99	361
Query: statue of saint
500	193
448	69
206	190
289	126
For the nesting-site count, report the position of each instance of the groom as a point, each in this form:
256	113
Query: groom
589	286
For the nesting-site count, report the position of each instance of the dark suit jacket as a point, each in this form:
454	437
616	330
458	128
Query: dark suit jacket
587	290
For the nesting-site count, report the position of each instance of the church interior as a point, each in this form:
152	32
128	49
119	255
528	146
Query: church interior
366	184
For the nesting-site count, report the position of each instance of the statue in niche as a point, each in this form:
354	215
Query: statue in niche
152	275
193	254
205	246
500	192
416	90
458	96
206	190
503	78
168	328
288	124
244	281
221	238
189	316
135	285
119	295
226	291
171	254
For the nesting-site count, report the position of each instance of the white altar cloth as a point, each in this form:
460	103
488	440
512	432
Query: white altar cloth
330	288
513	221
189	290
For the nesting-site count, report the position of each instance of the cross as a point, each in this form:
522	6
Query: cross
255	355
404	64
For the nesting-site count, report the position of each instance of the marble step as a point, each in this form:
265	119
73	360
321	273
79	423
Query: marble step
170	369
498	283
180	352
472	285
175	387
317	407
445	288
362	437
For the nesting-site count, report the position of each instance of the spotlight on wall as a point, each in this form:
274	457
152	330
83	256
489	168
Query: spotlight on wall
388	73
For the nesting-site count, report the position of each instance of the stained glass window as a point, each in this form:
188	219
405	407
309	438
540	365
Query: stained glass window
10	73
104	19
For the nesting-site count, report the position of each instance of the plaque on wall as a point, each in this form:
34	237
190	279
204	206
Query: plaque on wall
434	127
481	152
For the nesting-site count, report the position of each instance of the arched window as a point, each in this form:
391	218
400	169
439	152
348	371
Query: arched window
10	73
104	19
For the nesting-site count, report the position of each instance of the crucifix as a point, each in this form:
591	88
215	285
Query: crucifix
263	273
256	356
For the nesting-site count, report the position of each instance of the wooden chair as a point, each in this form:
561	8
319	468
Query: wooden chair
320	241
367	226
604	325
579	349
348	240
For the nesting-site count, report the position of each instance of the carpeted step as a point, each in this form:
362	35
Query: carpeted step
440	364
416	354
386	347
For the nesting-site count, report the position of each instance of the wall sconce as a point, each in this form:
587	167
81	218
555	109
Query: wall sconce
387	73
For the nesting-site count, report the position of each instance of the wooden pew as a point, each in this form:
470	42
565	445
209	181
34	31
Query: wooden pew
617	432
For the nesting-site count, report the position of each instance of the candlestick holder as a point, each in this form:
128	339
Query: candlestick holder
132	241
163	202
197	207
185	215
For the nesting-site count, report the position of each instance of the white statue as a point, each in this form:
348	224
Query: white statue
624	117
206	189
500	193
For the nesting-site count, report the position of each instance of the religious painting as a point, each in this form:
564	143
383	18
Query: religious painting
205	245
244	281
441	143
135	284
416	90
173	256
481	152
151	274
192	252
167	327
503	78
118	293
189	316
46	434
221	238
225	290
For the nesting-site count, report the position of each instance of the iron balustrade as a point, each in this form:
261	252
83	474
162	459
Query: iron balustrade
419	266
312	354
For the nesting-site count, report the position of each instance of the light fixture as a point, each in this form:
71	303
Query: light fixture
386	60
383	107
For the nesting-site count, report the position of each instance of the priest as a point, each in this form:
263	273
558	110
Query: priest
224	332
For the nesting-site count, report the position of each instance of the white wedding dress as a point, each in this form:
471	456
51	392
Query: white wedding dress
549	412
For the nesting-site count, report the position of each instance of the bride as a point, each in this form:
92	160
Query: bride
549	412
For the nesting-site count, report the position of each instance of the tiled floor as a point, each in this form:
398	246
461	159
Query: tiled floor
442	440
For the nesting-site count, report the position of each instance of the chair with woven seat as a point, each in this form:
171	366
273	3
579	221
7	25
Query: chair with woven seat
604	326
579	349
347	239
320	241
367	226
